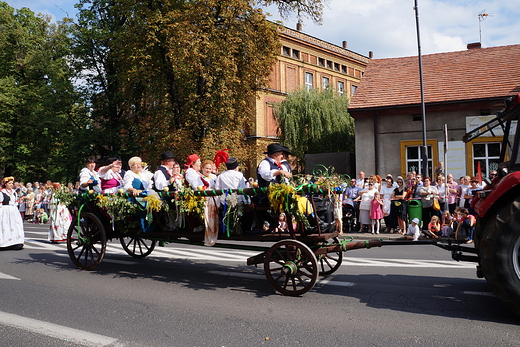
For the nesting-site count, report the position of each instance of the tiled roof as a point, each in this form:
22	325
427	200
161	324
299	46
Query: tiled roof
479	73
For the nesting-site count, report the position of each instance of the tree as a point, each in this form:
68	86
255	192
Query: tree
176	74
315	122
38	103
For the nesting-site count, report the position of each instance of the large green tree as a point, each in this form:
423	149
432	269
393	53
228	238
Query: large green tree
315	121
40	112
177	74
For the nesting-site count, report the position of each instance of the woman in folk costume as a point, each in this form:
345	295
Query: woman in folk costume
111	175
197	182
88	177
11	223
136	182
59	217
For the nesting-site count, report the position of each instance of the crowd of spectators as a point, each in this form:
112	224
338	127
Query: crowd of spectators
444	203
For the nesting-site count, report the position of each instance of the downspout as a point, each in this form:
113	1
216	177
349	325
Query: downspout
376	143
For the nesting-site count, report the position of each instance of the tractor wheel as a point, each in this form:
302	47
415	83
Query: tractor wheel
500	254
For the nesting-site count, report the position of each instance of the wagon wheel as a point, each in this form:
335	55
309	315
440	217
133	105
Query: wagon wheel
330	262
291	267
137	247
86	245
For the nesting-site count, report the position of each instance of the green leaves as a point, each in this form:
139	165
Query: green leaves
315	122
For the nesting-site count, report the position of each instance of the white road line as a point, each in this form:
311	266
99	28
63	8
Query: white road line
7	277
479	293
54	330
106	260
218	254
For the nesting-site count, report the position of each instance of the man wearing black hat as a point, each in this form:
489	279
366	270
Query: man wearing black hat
271	169
163	177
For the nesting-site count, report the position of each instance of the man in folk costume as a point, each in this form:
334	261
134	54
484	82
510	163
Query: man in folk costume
164	177
271	170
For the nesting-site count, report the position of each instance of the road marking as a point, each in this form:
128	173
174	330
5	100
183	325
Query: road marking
479	293
222	255
54	330
7	277
106	260
330	282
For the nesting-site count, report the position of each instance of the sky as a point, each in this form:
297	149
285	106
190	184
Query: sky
385	27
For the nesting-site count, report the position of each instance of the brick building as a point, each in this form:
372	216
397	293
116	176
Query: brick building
462	90
304	62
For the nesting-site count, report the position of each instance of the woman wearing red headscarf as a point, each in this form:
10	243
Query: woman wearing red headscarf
11	223
193	175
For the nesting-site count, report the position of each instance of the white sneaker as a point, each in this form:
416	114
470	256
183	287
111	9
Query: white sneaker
377	232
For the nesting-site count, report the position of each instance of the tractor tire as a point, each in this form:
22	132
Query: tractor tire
500	254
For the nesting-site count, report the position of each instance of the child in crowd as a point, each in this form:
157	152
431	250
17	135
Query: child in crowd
376	213
434	228
43	218
465	229
446	224
413	231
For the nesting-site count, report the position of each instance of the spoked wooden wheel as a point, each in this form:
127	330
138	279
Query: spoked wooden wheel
291	267
137	247
86	244
328	263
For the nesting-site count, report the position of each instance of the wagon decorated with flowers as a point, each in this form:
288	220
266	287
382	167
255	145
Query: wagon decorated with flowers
305	248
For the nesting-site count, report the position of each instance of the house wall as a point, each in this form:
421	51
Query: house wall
390	128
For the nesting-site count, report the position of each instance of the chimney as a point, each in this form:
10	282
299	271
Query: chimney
299	26
474	45
345	45
370	54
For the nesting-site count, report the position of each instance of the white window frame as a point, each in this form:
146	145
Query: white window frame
309	81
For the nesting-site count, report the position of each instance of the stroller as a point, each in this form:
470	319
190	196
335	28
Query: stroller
349	213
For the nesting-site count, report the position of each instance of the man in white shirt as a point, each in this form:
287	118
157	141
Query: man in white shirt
163	177
231	179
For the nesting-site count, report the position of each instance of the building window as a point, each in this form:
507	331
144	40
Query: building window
411	156
295	54
341	88
325	82
413	160
343	69
321	62
329	64
336	67
353	89
308	81
488	155
286	51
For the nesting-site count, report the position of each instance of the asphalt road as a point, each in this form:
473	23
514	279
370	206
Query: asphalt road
185	295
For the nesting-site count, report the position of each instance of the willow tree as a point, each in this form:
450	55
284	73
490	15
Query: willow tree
314	121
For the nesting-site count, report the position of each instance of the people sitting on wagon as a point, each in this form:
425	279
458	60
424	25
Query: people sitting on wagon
164	176
111	175
192	175
88	177
232	178
207	170
270	170
135	182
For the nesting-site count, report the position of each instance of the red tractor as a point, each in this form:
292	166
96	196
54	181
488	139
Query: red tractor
497	232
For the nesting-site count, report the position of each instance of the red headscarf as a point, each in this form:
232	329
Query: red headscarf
190	160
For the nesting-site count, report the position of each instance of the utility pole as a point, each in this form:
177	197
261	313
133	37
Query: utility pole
424	148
